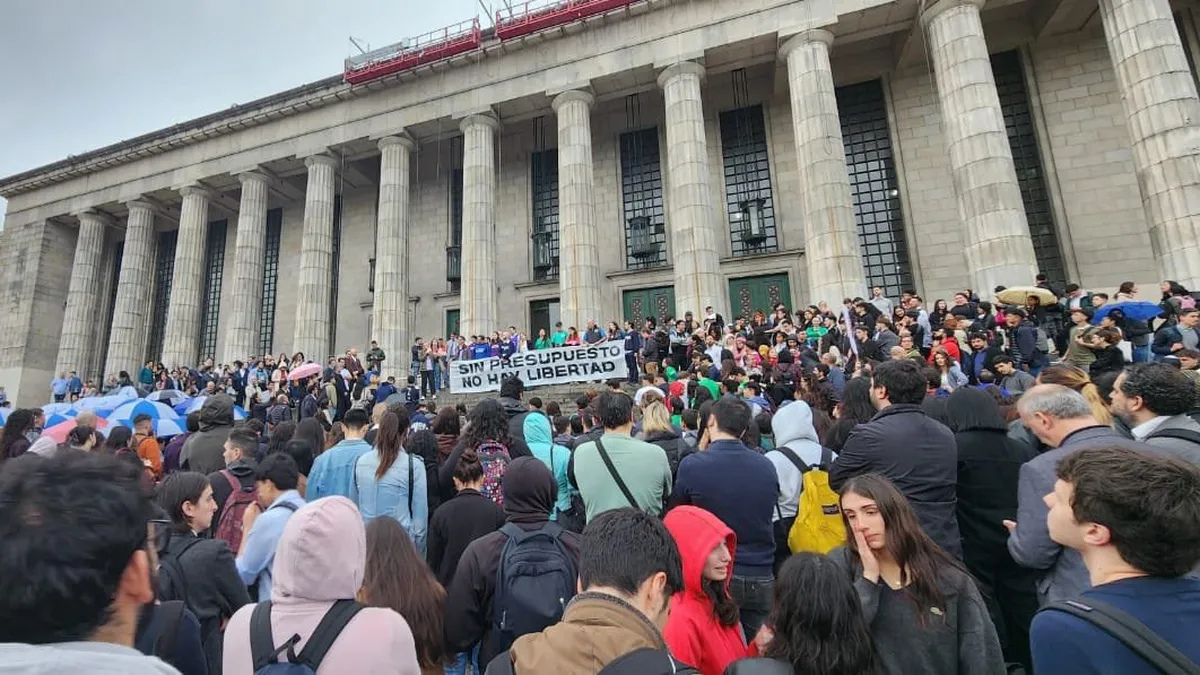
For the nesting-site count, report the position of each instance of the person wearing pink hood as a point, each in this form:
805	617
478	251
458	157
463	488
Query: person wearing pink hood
320	560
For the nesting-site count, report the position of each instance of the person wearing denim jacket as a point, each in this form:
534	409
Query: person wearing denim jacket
391	482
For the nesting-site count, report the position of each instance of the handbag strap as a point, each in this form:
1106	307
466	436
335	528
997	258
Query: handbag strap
410	487
1134	634
612	471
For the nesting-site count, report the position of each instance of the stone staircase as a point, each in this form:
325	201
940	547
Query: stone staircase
563	393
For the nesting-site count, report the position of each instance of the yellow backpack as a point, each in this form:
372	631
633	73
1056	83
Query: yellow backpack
818	527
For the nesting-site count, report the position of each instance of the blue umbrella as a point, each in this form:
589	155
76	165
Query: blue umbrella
58	418
162	427
156	411
102	405
56	408
4	413
1138	310
171	397
197	403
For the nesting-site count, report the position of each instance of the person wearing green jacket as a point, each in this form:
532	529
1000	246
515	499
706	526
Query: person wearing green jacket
542	342
560	336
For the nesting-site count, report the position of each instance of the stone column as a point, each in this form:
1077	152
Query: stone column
78	331
127	346
316	261
1163	113
695	235
831	252
181	338
478	298
578	248
242	325
999	250
390	306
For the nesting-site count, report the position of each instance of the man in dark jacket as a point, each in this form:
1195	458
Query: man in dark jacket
239	453
204	450
1023	341
982	357
511	391
1182	335
913	451
529	494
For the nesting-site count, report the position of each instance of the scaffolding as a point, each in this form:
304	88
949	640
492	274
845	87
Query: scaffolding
536	15
433	46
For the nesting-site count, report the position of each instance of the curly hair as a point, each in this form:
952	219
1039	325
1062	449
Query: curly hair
486	422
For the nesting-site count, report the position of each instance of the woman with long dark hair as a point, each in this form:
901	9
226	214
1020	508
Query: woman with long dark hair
13	442
397	577
423	445
989	466
854	409
816	623
447	426
193	568
311	430
703	629
280	435
925	613
302	452
117	440
390	482
486	423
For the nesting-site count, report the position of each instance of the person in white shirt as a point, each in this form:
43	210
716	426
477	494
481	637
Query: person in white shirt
881	302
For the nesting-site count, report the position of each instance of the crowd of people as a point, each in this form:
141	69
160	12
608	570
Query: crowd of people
876	489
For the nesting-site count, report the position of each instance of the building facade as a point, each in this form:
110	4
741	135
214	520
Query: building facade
657	157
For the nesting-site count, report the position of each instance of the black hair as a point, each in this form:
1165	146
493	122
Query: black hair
1002	359
577	423
179	488
1164	389
245	440
141	417
70	524
562	424
281	434
690	418
302	452
535	402
81	434
553	409
622	548
933	377
903	380
356	418
469	468
1149	503
614	409
487	422
732	414
512	387
19	422
310	429
280	469
818	620
969	408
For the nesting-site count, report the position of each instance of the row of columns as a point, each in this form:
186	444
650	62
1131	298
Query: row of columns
1157	90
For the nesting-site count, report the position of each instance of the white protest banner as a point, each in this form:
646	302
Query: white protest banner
560	365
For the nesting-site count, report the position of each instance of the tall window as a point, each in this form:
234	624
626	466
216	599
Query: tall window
164	273
1018	120
544	186
266	317
214	274
872	169
454	251
747	181
335	269
642	198
118	253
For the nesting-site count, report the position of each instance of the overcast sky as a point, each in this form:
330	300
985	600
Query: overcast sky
76	75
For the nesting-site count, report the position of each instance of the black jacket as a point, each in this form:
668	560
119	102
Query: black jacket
214	589
989	364
468	617
672	444
989	465
916	453
456	524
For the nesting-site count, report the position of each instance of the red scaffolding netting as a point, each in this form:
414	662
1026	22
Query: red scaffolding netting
536	15
432	46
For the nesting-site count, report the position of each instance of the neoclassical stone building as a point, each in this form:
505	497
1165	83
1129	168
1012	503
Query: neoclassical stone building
639	159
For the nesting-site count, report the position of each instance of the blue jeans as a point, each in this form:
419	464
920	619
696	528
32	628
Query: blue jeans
462	660
1141	354
753	596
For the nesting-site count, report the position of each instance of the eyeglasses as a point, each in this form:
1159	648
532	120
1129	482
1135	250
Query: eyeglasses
160	532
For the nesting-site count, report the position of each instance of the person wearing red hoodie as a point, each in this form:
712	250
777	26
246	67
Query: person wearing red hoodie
703	629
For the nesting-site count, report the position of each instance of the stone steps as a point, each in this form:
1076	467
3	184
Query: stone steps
563	393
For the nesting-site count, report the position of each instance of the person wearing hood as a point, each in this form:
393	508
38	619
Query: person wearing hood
529	496
702	629
556	457
740	487
321	560
796	445
204	451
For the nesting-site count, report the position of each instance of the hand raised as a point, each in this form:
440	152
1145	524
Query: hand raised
865	555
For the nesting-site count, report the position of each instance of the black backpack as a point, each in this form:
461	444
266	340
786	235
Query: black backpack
265	654
644	661
534	582
1182	434
1134	634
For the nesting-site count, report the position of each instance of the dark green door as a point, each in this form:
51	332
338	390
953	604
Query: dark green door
649	303
451	322
543	314
749	294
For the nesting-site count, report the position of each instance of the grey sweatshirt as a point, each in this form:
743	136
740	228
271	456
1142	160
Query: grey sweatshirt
73	658
957	639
